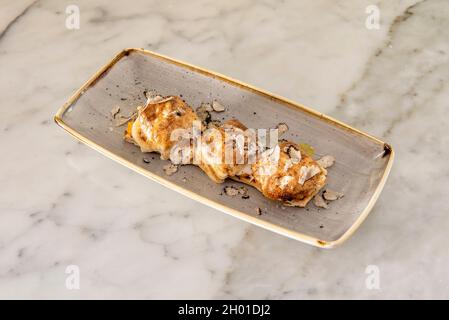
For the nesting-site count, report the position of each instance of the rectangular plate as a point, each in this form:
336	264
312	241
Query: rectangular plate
362	161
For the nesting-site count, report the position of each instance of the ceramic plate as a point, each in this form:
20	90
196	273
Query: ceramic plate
362	161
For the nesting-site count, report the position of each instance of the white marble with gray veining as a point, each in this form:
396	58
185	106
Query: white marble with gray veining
62	203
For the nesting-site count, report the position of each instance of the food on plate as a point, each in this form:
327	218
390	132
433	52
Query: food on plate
284	172
293	178
155	122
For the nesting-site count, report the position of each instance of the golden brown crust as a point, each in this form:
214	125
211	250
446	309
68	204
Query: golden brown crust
281	174
213	148
156	122
283	179
128	136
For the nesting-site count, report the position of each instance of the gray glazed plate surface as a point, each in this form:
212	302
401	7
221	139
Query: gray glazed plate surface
362	162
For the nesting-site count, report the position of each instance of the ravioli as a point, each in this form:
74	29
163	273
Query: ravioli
283	173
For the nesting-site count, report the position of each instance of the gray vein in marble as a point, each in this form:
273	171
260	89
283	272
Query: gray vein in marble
391	31
372	62
135	239
16	19
440	85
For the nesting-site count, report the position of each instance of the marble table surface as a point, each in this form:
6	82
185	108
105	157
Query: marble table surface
64	206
